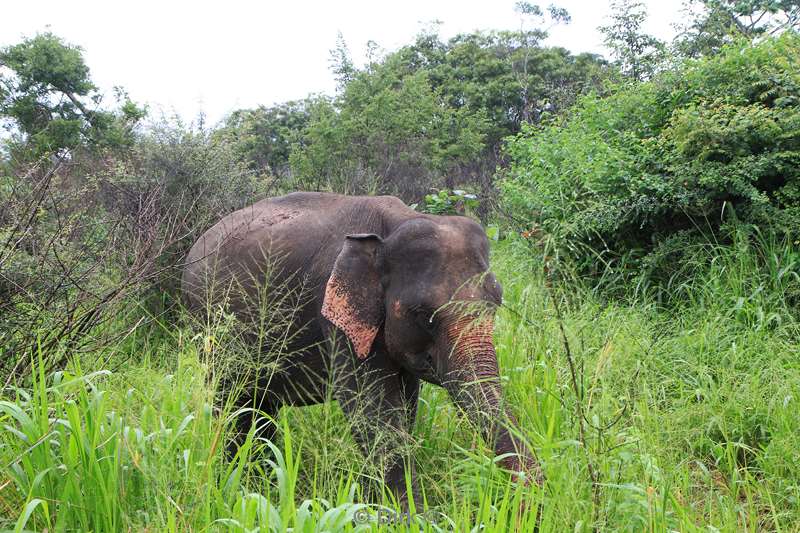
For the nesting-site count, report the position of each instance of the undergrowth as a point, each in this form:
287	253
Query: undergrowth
688	423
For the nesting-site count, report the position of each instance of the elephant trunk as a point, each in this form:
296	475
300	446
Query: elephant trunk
473	381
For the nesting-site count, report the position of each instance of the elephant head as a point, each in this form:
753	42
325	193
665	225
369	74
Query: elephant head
426	293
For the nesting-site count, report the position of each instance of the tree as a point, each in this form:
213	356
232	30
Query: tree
637	54
264	136
52	105
505	75
341	63
386	132
435	113
529	38
713	23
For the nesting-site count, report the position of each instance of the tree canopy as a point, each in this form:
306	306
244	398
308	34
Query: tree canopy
713	23
435	113
50	103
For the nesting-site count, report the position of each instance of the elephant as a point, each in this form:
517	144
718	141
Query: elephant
393	297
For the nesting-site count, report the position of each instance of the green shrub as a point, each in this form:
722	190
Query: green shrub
631	179
78	236
447	202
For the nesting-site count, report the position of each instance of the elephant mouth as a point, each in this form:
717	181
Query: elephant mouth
425	369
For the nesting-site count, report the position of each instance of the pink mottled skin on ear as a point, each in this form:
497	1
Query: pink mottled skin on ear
338	309
396	308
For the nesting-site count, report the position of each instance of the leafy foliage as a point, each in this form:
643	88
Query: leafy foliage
433	113
78	240
637	53
636	175
264	136
46	92
714	23
392	127
505	75
447	202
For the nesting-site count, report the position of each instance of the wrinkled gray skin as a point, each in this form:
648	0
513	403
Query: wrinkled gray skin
388	273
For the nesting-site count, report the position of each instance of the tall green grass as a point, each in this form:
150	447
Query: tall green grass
690	424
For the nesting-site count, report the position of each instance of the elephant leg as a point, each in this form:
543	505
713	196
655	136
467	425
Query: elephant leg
259	412
377	399
410	388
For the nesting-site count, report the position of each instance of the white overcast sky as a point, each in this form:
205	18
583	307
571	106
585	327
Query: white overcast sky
187	56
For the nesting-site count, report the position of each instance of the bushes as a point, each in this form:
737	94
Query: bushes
203	175
92	210
81	237
68	259
632	178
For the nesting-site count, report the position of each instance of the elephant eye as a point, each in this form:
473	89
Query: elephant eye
424	318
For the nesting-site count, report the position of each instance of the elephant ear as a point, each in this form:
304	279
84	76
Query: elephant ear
354	295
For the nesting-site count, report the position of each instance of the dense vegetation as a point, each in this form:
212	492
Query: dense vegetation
432	113
633	179
644	215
